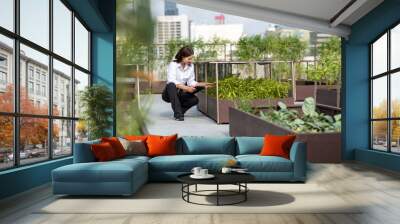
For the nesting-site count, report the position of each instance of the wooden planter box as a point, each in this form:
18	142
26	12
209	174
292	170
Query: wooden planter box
321	147
328	95
208	105
304	91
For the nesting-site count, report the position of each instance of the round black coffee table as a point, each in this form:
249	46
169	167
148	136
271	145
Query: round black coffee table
238	179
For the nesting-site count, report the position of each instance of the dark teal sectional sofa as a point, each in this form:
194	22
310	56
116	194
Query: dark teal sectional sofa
125	176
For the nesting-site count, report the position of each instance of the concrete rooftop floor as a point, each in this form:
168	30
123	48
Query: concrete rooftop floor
196	123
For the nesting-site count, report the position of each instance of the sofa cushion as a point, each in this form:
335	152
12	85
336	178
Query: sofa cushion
116	145
134	147
112	171
161	145
103	152
277	145
249	145
257	163
136	137
185	163
197	145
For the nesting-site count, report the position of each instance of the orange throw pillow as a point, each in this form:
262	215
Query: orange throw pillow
277	145
136	137
116	145
103	151
161	145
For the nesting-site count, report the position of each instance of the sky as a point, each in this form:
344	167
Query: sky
201	16
380	65
35	27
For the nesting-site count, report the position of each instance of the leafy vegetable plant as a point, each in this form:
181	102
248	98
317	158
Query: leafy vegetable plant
310	122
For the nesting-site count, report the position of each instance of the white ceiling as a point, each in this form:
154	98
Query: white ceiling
313	15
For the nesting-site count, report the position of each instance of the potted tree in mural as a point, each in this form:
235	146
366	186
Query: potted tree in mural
135	33
327	70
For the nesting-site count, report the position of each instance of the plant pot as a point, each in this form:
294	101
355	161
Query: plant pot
328	95
304	91
321	147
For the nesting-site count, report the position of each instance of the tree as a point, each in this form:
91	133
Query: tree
252	48
97	103
328	66
135	35
33	131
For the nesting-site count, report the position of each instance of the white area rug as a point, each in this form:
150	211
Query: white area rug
166	198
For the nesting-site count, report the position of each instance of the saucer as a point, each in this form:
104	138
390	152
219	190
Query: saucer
208	176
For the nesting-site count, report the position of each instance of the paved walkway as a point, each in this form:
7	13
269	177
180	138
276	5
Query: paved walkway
195	124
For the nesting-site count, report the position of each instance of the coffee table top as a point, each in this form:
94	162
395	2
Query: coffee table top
220	178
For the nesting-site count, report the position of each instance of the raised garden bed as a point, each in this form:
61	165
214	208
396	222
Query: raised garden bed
328	95
324	94
321	147
220	111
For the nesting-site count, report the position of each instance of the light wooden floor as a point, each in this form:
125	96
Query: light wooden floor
378	189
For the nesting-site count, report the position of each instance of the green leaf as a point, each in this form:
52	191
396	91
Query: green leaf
309	107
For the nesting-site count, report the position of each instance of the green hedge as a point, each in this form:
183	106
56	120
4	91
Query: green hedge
233	88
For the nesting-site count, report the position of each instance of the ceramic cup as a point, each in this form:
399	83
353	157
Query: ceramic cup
203	172
196	171
226	170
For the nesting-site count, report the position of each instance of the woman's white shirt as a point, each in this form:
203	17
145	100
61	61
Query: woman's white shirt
179	75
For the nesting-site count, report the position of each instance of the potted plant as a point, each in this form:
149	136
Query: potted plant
97	103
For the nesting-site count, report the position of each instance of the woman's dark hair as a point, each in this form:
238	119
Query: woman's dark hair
183	53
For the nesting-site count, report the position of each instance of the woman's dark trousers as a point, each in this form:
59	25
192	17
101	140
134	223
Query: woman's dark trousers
180	101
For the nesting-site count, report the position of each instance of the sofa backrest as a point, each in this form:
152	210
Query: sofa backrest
190	145
249	145
194	145
83	153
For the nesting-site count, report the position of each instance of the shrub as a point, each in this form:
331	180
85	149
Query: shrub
233	88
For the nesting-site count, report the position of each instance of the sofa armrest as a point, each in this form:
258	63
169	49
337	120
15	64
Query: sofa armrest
83	153
298	155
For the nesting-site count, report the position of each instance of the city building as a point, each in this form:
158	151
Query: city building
170	8
170	28
206	32
34	81
316	39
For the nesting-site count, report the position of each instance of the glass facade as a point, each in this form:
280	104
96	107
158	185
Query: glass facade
385	94
37	66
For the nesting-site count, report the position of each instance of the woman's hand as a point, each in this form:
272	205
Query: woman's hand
190	89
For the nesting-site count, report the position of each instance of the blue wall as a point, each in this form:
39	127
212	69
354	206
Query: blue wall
356	83
99	15
24	178
103	52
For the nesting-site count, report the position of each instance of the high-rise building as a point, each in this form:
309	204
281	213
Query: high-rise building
170	8
170	28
